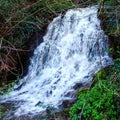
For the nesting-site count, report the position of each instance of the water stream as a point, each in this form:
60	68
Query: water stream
74	49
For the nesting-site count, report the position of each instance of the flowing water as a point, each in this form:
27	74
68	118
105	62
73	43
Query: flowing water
74	49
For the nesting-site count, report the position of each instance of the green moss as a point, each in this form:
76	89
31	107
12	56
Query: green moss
83	91
101	74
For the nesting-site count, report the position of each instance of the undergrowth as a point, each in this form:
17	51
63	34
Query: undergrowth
101	101
19	21
110	16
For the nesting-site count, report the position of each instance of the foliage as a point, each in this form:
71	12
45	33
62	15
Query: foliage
102	100
110	16
109	2
84	3
1	113
6	88
20	19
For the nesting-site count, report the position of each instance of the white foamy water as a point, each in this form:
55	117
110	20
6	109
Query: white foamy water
74	48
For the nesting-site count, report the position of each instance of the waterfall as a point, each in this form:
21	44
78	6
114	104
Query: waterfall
73	50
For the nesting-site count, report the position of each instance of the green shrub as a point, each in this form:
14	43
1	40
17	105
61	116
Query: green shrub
101	102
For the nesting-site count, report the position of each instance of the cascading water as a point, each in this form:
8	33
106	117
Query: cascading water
74	49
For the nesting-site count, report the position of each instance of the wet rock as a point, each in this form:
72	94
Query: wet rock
68	103
78	86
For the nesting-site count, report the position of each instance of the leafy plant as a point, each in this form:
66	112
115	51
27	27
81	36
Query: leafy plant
99	102
6	88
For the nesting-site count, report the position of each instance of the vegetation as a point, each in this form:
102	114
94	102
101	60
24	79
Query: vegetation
20	20
1	113
100	102
6	88
111	17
